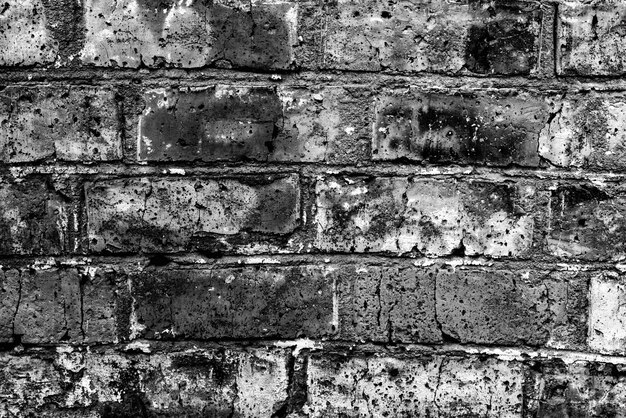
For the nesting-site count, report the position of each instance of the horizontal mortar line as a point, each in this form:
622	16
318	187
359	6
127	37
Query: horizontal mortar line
331	78
191	260
398	350
314	169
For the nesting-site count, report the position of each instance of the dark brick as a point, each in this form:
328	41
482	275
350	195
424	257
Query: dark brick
255	123
432	36
462	128
165	214
487	306
261	302
190	35
59	306
35	218
68	124
213	124
586	222
387	304
10	291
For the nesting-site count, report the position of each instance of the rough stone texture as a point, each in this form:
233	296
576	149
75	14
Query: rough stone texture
586	222
164	214
607	314
69	124
479	305
432	217
24	36
586	131
465	128
10	290
253	123
35	218
387	304
591	37
134	33
191	382
579	389
428	386
254	302
47	306
433	36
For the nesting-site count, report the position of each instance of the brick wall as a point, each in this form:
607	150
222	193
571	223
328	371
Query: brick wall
333	208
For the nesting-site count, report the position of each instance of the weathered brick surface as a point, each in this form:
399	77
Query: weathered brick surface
134	33
585	131
586	222
279	208
464	128
163	214
25	38
270	302
69	124
607	326
387	304
433	37
487	306
590	38
577	389
253	123
35	218
183	382
426	386
44	306
432	217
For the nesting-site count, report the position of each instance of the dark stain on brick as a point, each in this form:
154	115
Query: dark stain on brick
233	303
504	44
256	39
203	125
37	209
587	222
477	140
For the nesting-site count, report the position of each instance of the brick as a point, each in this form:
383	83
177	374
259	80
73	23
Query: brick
433	217
252	123
586	222
575	389
607	316
387	304
25	39
68	124
182	382
422	386
586	131
590	38
133	33
253	302
58	306
436	37
165	214
10	288
525	307
476	128
35	218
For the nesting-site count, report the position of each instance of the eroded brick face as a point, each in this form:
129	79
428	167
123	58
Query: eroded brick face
280	208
